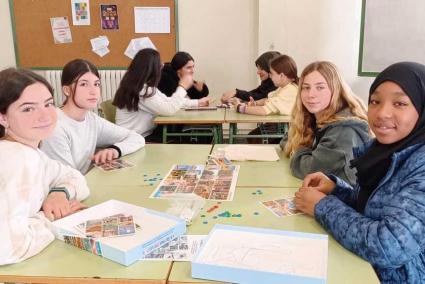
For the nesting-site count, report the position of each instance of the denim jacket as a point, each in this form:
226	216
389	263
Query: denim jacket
391	232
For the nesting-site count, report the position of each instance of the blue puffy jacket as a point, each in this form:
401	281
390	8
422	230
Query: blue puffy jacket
391	232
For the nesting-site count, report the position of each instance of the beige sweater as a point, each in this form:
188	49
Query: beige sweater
282	100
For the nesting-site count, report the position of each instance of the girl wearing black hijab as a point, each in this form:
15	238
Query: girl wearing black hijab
181	64
382	218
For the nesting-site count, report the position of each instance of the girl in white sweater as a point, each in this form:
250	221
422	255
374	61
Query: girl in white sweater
33	188
139	101
80	132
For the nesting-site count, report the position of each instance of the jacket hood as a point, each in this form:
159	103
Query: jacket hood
360	126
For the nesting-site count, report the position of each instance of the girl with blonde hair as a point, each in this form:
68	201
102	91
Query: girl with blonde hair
328	120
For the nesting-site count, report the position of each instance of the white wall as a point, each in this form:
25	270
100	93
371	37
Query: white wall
225	37
310	30
7	52
222	37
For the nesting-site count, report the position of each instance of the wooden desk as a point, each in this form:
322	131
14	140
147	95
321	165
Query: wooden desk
150	160
233	118
215	118
265	174
343	266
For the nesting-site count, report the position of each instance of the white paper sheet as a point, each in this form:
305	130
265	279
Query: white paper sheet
80	12
60	29
251	153
152	19
100	45
137	44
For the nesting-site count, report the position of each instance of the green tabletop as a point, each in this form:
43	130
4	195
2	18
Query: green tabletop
265	174
234	117
151	160
193	117
343	266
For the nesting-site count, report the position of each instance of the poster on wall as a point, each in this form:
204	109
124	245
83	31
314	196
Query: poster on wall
80	12
109	17
60	29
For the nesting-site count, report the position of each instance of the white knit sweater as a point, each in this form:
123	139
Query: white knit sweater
26	176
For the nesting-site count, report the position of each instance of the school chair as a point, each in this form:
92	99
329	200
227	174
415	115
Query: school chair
109	110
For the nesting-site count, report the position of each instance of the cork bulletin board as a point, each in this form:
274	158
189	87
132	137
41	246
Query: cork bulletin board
35	47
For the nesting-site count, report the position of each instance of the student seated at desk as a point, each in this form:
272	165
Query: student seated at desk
283	73
171	73
328	120
80	131
262	63
34	189
381	218
139	101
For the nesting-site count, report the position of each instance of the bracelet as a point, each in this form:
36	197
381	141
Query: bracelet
116	148
241	108
60	189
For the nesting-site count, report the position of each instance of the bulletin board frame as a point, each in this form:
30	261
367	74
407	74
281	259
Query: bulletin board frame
34	44
390	31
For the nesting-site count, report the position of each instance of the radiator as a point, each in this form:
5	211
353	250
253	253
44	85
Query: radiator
109	79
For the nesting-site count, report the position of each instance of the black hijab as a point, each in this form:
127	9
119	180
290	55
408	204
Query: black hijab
374	164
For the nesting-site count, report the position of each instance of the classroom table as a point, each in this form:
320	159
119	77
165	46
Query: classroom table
233	118
63	263
151	160
343	266
212	118
265	174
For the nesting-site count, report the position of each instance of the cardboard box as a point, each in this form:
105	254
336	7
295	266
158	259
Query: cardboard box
254	255
155	230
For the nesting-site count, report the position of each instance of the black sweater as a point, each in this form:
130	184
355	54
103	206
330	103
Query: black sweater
258	93
170	81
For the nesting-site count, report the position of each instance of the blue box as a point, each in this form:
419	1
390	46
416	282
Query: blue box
156	229
254	255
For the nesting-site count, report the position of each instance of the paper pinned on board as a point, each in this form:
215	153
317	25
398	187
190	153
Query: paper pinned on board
100	45
60	29
137	44
80	12
251	153
152	20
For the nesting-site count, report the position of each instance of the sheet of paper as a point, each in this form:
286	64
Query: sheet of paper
182	248
80	12
251	153
60	29
99	42
207	181
152	19
137	44
292	253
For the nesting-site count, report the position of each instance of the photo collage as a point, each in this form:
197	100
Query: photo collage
282	207
111	226
207	181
